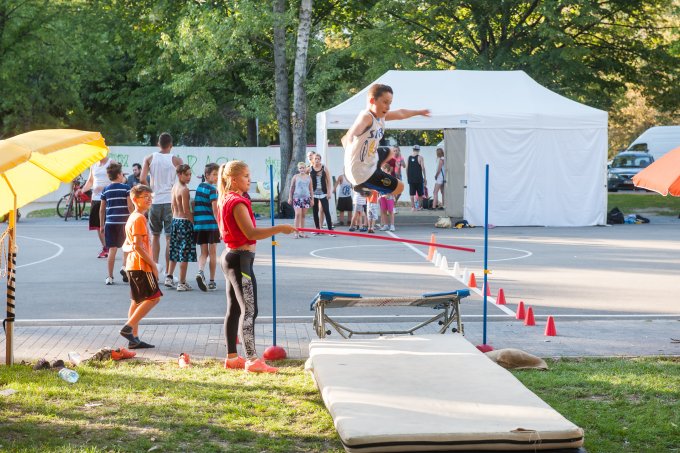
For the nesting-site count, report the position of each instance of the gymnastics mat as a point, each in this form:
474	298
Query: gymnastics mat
431	393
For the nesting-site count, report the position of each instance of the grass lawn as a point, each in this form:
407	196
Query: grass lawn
644	202
624	405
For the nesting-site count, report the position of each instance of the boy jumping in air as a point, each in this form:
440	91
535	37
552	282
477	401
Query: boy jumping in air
363	158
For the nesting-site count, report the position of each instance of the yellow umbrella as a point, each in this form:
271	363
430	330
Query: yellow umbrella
32	165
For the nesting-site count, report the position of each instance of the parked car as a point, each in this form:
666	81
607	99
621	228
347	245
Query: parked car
624	166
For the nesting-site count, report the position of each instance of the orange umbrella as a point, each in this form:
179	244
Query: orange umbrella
662	176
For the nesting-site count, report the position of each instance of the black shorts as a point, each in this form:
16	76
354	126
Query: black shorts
94	214
114	235
344	204
381	182
207	237
143	286
416	188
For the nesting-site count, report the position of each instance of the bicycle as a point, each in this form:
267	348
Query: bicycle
73	204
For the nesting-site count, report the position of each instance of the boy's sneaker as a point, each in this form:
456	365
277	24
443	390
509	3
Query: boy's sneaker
392	228
122	353
237	363
352	228
259	366
363	229
109	280
385	228
184	287
212	286
169	282
200	281
124	274
103	254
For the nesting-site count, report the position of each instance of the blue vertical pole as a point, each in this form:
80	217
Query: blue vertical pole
486	244
271	213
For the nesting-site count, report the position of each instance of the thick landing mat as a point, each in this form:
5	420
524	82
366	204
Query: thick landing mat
431	393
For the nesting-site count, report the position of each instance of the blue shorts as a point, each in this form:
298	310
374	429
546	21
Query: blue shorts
114	234
182	242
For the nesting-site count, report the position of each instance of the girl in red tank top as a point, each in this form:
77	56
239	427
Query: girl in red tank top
239	232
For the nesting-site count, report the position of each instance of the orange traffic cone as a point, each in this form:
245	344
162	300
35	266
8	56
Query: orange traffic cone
529	320
473	281
500	300
520	310
550	330
488	289
430	252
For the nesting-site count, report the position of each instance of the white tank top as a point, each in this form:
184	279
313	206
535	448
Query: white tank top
344	188
163	176
361	156
100	179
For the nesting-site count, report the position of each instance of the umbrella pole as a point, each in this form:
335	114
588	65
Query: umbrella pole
11	270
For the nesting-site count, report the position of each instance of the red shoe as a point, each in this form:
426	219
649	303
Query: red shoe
122	353
184	361
103	254
259	366
237	363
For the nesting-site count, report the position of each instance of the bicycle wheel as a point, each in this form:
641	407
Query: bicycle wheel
62	205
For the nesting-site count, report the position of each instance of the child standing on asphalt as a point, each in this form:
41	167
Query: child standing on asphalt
206	231
300	196
238	230
372	210
344	199
182	243
114	211
140	267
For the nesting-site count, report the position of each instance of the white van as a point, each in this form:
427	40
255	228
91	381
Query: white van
657	141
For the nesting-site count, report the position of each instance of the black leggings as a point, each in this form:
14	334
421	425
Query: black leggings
326	211
237	266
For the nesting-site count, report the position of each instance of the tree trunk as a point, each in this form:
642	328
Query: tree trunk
251	132
282	98
299	92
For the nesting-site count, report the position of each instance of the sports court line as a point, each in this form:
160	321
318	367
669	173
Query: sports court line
503	308
59	252
396	318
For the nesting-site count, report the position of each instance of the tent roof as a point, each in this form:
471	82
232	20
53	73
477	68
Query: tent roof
471	99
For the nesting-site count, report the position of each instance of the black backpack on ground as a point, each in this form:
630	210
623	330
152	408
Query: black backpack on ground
615	217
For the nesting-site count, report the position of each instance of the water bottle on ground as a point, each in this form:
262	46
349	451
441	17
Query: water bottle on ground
69	376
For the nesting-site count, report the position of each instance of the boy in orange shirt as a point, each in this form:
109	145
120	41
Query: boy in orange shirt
140	267
372	210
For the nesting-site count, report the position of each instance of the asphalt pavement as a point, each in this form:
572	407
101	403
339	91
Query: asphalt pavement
612	290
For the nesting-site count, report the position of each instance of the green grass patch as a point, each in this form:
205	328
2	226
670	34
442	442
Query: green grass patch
624	405
644	203
42	213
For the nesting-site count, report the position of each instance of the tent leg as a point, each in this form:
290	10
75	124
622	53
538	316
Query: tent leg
11	270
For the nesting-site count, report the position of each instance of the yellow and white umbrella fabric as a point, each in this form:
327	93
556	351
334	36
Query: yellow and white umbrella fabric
32	165
36	163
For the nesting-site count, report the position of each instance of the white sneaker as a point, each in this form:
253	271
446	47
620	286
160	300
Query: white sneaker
392	228
169	282
384	228
184	287
109	280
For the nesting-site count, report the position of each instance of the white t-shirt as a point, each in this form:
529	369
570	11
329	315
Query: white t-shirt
361	155
100	179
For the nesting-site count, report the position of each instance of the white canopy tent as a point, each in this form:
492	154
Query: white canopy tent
547	154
